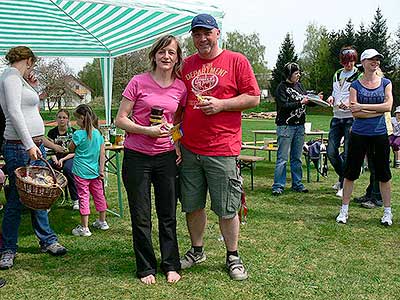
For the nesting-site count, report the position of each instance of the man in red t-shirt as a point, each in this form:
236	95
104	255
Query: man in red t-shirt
220	85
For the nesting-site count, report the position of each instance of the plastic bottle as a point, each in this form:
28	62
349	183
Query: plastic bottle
113	131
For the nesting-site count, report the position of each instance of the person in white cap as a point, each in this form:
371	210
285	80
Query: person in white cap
370	97
394	139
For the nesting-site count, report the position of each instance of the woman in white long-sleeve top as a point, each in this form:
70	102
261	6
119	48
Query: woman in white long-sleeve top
24	140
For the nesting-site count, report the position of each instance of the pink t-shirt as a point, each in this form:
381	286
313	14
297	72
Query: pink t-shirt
226	76
145	92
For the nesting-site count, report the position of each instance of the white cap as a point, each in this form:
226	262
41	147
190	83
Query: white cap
370	53
397	110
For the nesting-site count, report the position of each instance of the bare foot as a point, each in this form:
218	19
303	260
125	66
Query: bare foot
173	277
150	279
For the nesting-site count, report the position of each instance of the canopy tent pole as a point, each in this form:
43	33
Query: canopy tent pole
107	68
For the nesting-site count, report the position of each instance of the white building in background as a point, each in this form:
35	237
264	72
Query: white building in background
73	93
79	88
76	92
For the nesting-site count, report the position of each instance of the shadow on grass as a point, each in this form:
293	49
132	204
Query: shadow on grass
70	218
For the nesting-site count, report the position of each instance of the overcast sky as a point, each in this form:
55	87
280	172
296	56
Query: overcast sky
273	19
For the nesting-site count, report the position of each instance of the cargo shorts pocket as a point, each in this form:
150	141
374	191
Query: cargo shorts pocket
234	196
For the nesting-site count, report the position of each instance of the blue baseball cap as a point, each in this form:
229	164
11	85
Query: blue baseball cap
205	21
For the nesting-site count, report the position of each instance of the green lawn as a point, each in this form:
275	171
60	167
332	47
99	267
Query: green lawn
291	245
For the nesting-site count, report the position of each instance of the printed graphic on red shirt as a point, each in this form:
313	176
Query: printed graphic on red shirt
224	77
203	81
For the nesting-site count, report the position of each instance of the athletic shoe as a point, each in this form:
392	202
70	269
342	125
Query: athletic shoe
277	192
336	186
100	225
362	199
81	231
342	217
302	190
75	204
55	249
369	204
7	260
236	268
339	193
192	258
387	219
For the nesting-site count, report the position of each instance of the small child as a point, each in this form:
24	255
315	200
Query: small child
88	169
394	139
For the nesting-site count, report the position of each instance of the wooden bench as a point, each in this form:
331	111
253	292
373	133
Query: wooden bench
249	161
275	148
261	148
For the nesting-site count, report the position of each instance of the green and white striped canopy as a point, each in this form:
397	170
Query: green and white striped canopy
95	28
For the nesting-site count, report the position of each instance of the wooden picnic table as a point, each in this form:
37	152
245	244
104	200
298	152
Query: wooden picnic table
273	132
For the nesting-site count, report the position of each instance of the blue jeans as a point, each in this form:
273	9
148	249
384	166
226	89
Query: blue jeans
16	156
339	128
290	139
67	171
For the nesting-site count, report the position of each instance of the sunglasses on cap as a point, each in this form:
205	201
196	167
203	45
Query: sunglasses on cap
348	51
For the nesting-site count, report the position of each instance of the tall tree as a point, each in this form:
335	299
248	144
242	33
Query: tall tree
188	47
91	76
316	52
247	44
51	76
349	34
250	46
337	40
286	54
395	74
396	47
379	38
363	40
125	67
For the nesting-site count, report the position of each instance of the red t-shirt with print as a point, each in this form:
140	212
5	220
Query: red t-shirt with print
226	76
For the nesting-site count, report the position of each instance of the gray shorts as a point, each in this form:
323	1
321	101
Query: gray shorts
217	174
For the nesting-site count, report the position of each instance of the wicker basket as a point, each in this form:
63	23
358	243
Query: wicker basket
36	196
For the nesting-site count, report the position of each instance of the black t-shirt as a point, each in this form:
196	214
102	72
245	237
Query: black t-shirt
288	107
53	134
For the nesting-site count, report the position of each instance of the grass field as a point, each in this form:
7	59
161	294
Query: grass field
291	245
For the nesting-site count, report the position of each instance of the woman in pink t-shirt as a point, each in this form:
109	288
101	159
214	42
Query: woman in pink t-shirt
146	112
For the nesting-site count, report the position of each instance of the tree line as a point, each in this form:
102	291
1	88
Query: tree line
318	59
128	65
